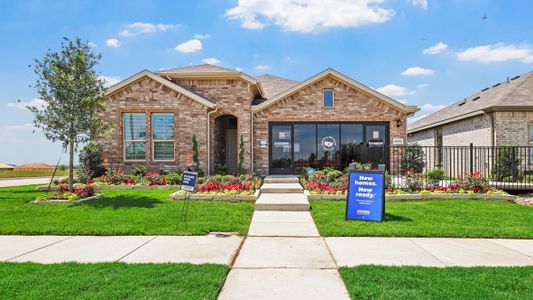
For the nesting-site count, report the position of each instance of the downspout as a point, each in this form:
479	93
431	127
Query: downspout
209	140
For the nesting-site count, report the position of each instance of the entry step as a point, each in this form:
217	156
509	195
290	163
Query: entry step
268	188
281	179
282	202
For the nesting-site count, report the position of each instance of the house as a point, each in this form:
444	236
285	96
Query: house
328	119
501	114
6	167
34	167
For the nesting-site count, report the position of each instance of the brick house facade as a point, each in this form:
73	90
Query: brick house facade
153	117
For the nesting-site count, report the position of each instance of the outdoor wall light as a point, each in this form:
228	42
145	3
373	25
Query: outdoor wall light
398	122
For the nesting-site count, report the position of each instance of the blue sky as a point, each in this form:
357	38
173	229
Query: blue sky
422	52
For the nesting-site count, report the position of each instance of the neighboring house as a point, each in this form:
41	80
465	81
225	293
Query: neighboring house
34	167
501	114
6	167
326	120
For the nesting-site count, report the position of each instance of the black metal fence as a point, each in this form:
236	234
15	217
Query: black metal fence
503	167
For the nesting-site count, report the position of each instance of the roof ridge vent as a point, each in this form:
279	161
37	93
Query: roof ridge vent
516	77
497	84
477	98
462	102
484	89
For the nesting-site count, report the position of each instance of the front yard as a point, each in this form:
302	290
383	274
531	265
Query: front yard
379	282
110	281
437	218
118	212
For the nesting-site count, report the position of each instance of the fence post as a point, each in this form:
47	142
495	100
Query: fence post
471	158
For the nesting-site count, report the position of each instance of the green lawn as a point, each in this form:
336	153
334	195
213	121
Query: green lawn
15	174
437	218
110	281
119	212
379	282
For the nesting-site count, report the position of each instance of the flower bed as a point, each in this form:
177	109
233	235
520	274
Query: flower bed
80	193
224	187
333	184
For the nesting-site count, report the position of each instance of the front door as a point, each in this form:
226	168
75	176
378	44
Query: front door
231	150
281	149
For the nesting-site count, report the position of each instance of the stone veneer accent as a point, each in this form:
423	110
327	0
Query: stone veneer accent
306	105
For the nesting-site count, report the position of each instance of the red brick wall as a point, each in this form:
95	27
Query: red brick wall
307	105
149	96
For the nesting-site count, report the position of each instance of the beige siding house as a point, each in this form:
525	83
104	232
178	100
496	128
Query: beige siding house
501	114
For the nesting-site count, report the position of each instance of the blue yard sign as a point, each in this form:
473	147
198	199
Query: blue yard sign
189	181
366	196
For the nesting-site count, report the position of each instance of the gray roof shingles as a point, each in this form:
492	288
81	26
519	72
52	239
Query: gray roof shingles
516	93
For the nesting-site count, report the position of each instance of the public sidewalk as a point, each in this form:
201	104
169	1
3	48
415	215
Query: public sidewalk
6	182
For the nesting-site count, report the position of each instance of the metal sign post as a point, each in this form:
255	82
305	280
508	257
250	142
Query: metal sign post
188	184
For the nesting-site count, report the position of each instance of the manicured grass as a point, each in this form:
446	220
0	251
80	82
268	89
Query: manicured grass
379	282
15	174
119	212
437	218
110	281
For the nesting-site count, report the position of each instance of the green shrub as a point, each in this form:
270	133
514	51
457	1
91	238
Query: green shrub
139	171
241	156
174	178
434	176
195	157
413	158
91	161
507	163
221	169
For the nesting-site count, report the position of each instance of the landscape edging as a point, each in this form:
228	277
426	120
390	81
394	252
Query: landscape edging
53	201
217	197
414	197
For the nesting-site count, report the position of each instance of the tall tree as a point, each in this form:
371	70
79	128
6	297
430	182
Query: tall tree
69	84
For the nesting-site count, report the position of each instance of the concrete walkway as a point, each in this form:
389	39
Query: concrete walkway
283	256
131	249
24	181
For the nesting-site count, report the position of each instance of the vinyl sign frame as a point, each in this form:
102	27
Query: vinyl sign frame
366	196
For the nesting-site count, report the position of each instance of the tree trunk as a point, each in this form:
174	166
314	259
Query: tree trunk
71	166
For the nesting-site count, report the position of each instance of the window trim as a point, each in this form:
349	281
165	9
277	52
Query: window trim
332	98
124	137
153	141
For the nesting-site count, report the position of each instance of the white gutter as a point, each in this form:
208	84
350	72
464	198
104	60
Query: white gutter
209	140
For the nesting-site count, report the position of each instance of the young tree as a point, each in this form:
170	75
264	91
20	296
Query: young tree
68	83
241	156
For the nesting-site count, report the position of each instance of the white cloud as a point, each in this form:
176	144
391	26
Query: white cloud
417	71
38	103
189	46
431	108
92	44
422	85
110	80
140	27
238	69
497	53
421	3
113	43
202	36
262	67
211	61
309	16
436	49
393	90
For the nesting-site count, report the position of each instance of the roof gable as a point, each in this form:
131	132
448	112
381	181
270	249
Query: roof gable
343	78
145	73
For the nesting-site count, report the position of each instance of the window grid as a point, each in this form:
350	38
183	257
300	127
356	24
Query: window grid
134	136
163	129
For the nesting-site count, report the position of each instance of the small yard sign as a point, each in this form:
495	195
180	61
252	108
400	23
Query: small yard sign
366	196
189	181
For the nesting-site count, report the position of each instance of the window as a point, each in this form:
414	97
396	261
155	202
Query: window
163	136
328	98
134	136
